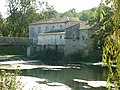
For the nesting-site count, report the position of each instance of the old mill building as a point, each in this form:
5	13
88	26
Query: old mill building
64	34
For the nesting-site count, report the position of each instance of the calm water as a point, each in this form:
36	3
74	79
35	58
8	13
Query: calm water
76	77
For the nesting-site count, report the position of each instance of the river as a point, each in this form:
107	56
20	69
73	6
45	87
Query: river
39	76
68	77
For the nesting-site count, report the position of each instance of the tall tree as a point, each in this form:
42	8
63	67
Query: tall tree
20	14
99	19
48	12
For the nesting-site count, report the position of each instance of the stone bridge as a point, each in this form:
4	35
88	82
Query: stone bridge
17	41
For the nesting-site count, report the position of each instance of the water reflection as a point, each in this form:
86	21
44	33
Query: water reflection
66	76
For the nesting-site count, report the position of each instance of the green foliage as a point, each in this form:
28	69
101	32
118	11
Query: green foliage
111	51
70	13
8	81
83	15
1	24
49	56
48	12
21	13
86	15
100	19
13	50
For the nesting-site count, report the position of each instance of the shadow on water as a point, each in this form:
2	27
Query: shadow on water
69	73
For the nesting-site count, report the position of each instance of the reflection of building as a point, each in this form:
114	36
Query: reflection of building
65	34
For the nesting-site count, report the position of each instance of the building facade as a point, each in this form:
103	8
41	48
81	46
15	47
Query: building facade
78	39
64	34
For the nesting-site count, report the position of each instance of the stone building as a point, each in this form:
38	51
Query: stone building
54	40
64	34
78	39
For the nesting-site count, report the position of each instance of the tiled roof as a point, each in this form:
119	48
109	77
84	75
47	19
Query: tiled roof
55	20
68	25
83	25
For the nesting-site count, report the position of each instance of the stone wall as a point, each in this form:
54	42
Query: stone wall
51	41
72	39
15	41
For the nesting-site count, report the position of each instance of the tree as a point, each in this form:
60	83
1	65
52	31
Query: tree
70	13
48	12
111	50
1	24
99	19
21	13
85	15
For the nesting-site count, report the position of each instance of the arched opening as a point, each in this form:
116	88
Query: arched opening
61	27
39	30
56	47
53	28
44	46
46	29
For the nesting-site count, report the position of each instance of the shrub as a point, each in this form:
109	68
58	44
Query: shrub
49	56
8	81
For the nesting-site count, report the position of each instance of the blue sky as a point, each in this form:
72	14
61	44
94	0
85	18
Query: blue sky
62	5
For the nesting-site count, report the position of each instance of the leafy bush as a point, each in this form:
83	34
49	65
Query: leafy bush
8	81
49	56
13	50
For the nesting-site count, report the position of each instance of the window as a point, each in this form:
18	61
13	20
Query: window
61	27
44	46
46	29
32	32
39	30
53	28
73	36
83	37
60	37
56	47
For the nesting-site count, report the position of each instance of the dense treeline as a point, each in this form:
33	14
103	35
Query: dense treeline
22	12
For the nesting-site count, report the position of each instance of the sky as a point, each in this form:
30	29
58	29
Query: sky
61	5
